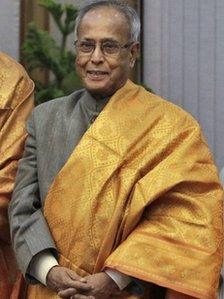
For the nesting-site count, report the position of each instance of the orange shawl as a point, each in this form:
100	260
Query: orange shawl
16	90
140	194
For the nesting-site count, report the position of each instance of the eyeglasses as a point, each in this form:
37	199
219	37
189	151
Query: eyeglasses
108	48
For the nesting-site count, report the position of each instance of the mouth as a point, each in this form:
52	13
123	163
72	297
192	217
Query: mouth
97	75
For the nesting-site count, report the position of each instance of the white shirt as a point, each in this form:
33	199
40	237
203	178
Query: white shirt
44	261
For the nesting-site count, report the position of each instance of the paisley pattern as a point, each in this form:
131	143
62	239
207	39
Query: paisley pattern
140	194
16	102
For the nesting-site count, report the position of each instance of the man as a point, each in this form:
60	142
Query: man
116	187
16	102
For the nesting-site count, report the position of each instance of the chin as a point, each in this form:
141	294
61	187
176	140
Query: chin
97	88
99	92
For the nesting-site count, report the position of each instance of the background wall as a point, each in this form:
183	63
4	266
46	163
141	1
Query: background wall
184	60
10	27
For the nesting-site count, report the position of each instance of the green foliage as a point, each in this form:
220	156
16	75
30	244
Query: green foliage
40	51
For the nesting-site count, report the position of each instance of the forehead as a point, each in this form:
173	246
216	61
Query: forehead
102	23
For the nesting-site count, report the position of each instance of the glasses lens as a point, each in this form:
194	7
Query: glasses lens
110	48
85	46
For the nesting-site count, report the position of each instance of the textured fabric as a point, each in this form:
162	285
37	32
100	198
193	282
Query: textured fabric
16	102
140	194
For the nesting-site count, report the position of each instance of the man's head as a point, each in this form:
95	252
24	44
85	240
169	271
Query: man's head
107	45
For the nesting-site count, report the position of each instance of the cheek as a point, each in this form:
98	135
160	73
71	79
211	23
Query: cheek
81	62
116	69
119	70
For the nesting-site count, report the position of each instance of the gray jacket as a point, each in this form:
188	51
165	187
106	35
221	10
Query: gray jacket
54	129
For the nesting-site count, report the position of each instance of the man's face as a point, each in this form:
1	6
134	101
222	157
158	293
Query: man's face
102	74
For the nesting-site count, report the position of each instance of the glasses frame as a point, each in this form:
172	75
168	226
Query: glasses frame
121	47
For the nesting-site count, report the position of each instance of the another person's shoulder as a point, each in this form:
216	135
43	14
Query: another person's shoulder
15	83
9	63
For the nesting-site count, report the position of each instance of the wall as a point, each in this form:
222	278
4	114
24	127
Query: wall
10	25
184	60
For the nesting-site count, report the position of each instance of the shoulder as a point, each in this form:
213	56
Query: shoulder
57	107
170	114
14	80
61	103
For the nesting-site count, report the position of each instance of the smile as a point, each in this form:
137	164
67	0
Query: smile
97	74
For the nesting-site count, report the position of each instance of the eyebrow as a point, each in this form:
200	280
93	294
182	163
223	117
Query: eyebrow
102	41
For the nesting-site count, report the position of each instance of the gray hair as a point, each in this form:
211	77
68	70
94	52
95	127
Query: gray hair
129	13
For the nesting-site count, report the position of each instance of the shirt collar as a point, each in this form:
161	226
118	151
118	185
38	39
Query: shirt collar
95	105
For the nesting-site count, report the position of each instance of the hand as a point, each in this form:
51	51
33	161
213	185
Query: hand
171	294
61	278
64	294
102	287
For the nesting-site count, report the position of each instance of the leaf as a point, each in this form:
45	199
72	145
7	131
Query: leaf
41	51
71	13
71	83
68	61
54	8
48	93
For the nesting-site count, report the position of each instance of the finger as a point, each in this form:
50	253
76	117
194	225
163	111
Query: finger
68	282
81	286
67	293
73	275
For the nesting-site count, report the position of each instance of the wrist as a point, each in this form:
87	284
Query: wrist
41	264
112	284
119	278
49	273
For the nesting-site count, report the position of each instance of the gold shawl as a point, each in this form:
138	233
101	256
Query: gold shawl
140	194
16	102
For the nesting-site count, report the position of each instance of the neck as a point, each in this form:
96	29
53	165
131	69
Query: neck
100	96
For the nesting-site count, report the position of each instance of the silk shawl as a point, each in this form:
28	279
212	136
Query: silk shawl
16	102
140	194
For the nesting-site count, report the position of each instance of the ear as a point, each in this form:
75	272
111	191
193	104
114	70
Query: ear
134	51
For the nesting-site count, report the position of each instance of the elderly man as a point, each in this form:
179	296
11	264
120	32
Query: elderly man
116	188
16	102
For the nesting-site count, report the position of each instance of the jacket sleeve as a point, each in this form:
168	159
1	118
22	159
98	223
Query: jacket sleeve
29	230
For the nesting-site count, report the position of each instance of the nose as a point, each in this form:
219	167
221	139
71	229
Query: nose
97	56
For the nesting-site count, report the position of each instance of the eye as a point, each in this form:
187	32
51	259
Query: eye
86	46
110	48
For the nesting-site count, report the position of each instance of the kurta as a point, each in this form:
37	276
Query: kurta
140	194
16	102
